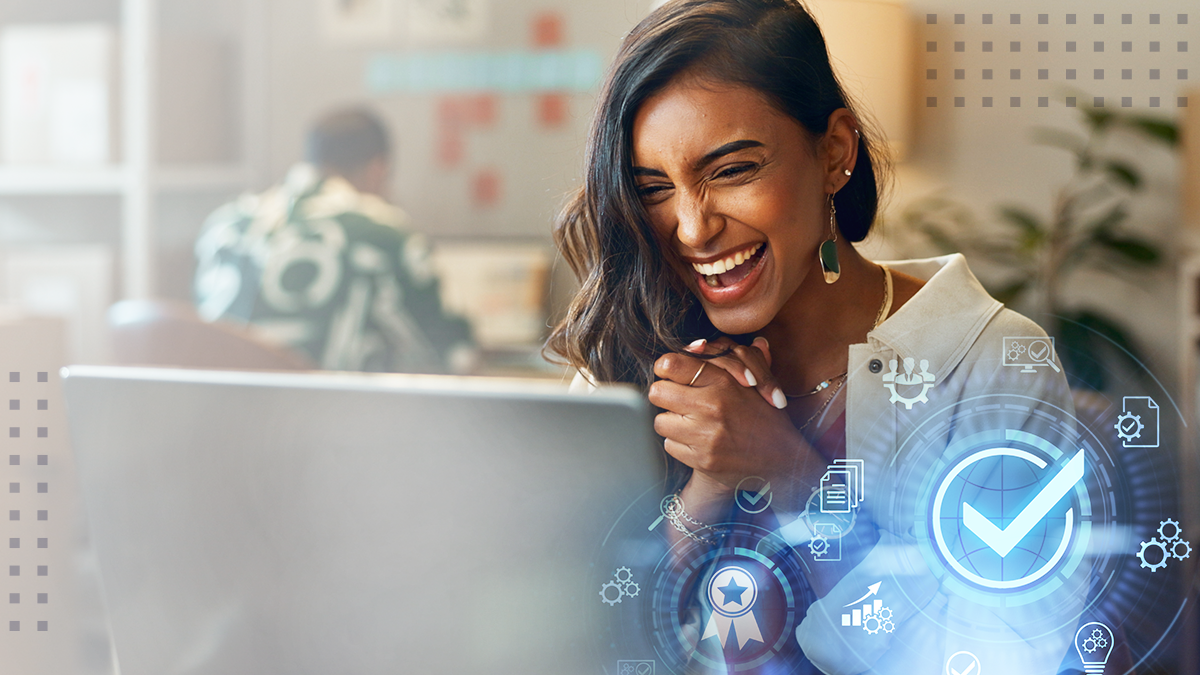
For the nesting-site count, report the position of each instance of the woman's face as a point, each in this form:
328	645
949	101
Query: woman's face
738	190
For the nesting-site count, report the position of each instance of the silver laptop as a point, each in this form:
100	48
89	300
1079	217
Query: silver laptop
330	523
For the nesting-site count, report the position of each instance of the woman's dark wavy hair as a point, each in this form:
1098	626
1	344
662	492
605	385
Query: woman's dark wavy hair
633	306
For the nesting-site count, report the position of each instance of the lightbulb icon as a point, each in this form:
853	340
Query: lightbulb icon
1094	642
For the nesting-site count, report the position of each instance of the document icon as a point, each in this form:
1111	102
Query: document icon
842	485
826	544
1137	427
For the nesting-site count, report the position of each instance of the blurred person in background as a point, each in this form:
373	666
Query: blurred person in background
323	264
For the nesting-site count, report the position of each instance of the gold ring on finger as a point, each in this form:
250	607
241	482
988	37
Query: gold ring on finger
697	375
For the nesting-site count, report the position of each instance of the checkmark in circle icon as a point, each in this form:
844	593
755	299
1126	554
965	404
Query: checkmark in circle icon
753	494
1001	541
963	663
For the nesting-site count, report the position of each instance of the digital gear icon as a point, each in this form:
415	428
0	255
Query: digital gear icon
826	543
621	586
908	379
1169	544
1094	642
1129	427
1138	424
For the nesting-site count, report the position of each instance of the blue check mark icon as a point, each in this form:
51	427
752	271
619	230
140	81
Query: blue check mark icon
1003	541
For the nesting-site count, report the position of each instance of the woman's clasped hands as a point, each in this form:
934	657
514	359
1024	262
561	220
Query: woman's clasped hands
724	417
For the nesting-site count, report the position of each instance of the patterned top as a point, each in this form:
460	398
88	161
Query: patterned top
333	273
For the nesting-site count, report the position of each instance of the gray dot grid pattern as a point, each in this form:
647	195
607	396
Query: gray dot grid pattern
1169	40
27	500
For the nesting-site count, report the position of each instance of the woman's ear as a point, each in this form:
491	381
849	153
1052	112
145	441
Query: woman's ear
839	149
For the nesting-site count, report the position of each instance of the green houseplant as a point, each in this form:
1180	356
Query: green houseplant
1035	256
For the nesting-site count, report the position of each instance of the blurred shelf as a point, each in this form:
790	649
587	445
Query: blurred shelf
53	180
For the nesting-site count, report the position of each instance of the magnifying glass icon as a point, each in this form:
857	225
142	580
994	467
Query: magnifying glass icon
1040	351
669	505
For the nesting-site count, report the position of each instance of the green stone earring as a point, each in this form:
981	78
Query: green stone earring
827	253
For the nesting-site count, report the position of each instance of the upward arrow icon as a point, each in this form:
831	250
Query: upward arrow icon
871	590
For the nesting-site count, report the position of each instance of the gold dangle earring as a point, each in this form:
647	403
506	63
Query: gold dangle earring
827	253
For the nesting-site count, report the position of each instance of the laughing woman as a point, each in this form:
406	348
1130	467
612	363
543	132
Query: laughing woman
728	177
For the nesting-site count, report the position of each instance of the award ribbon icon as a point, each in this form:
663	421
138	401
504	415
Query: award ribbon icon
732	592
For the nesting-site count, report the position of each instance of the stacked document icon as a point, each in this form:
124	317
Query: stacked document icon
842	486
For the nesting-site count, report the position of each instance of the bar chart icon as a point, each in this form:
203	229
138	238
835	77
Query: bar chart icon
856	616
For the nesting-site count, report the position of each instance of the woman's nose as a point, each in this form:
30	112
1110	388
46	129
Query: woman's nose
697	223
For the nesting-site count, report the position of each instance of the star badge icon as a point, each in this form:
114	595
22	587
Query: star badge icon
733	592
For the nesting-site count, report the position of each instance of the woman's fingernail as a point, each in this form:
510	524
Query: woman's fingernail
697	346
750	378
778	398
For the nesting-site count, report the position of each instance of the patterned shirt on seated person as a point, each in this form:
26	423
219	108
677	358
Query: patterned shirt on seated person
334	273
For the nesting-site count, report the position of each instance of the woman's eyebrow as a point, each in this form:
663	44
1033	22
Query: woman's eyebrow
639	171
728	148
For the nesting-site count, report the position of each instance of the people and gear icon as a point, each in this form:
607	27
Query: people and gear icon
1171	545
908	378
620	587
1128	432
1095	641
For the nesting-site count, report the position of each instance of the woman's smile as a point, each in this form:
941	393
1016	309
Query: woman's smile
730	277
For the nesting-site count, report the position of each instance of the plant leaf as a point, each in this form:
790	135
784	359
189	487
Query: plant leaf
1124	173
1097	118
1158	129
1133	250
1023	219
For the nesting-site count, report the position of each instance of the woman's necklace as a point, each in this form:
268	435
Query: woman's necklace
884	309
819	388
824	406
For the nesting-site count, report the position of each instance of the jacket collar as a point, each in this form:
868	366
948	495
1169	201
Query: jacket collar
930	325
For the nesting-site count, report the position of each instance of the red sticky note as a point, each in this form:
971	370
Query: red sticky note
485	188
547	29
480	110
551	110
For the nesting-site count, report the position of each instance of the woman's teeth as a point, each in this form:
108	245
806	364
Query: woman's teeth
710	270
